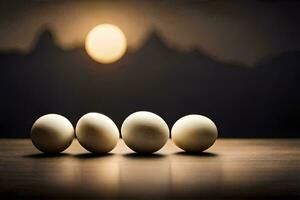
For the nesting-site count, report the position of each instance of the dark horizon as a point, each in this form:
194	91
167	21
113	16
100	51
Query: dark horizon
155	77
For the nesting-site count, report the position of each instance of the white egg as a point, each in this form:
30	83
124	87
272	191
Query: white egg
144	132
194	133
52	133
97	133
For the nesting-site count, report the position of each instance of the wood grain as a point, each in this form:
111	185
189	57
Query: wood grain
231	169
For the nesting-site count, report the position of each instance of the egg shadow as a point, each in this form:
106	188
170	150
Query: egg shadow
46	155
92	155
143	156
198	154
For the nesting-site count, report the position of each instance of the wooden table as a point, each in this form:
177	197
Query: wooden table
231	169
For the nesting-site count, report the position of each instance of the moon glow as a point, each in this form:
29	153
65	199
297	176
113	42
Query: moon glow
106	43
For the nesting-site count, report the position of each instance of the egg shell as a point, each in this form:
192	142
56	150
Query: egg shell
194	133
144	132
52	133
97	133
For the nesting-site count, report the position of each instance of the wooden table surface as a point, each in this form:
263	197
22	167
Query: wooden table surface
231	169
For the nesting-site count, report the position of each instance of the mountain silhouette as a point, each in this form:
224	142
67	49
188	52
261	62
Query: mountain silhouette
262	101
45	42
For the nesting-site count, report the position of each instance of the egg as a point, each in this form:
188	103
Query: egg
144	132
97	133
194	133
52	133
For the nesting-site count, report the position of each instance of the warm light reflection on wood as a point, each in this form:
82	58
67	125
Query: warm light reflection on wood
231	168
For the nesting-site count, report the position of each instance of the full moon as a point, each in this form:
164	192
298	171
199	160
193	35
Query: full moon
106	43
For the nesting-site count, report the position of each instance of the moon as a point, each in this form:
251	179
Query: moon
106	43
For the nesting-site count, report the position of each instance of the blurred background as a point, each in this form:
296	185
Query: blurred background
237	62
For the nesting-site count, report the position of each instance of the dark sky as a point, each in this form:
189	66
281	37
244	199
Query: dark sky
240	31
